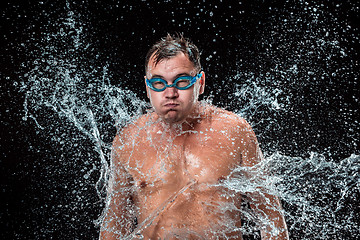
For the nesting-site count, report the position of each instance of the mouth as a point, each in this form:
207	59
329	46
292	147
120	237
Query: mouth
171	105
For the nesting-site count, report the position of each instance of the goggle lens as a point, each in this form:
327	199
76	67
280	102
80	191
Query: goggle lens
181	83
158	85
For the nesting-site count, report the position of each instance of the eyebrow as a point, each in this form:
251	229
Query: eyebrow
177	76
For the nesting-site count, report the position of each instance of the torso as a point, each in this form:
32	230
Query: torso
176	176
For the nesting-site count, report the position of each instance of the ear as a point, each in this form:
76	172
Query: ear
147	88
202	83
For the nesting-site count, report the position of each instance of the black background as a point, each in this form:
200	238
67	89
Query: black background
44	195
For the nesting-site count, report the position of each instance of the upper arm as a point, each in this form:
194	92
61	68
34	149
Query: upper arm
249	147
263	199
119	213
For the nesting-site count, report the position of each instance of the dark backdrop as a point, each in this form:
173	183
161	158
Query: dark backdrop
46	194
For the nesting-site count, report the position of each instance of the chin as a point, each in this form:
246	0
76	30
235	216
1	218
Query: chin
172	118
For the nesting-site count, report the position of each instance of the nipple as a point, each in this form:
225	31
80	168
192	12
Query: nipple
142	184
221	179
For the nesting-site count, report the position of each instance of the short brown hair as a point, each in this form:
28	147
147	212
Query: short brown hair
169	47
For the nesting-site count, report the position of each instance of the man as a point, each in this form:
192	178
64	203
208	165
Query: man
169	166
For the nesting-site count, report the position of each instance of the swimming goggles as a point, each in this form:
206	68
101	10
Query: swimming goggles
181	83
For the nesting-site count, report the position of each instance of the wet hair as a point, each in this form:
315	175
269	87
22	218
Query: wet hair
169	47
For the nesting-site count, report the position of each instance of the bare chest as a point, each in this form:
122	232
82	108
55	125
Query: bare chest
173	163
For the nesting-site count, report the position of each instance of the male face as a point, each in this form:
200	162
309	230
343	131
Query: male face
174	105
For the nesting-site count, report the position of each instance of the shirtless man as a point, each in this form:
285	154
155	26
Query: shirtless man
168	166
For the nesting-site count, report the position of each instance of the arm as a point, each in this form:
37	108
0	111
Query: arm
119	214
269	209
263	202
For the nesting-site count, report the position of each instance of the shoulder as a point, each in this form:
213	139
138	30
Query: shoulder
126	135
241	134
232	127
128	138
224	119
235	131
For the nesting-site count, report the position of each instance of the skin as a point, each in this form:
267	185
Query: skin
168	166
174	105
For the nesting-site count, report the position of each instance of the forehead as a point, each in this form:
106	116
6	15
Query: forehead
176	64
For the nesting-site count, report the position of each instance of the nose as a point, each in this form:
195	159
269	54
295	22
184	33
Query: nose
171	92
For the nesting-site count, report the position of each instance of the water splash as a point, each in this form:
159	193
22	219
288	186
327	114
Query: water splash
62	83
316	194
319	194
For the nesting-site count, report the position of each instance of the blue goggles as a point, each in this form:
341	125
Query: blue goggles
181	83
